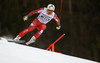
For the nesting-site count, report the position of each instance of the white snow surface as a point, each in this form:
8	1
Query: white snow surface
16	53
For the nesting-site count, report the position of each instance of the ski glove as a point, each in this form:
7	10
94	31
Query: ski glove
25	18
58	27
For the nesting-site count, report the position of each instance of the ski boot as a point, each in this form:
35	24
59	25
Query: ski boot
32	40
17	38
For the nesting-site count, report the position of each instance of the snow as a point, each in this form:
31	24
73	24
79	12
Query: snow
16	53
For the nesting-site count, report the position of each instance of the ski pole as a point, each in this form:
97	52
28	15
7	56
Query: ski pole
60	9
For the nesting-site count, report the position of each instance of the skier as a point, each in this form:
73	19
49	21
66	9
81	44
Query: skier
45	15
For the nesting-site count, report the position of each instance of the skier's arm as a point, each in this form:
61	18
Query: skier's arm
35	12
32	13
58	22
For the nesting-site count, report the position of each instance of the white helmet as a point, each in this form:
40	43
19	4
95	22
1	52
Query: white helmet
51	7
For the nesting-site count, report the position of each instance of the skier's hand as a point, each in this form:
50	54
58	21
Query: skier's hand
25	18
58	27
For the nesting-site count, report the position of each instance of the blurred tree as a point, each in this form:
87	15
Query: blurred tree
80	22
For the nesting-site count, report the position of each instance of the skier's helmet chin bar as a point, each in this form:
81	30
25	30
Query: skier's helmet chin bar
51	7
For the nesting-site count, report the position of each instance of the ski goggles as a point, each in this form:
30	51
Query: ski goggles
49	10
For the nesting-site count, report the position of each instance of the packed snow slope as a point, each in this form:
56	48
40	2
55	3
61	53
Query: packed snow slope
16	53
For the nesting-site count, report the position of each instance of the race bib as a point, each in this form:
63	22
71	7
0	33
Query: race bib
44	17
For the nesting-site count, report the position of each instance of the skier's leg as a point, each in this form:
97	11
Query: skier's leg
31	27
26	31
40	28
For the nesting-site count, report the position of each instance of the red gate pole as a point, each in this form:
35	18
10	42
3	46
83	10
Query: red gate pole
61	6
53	48
55	41
58	39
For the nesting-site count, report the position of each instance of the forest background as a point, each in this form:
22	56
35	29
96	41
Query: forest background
80	21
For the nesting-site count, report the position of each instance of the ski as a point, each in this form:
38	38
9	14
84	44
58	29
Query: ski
20	41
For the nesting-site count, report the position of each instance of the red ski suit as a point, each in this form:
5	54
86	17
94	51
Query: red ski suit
40	22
